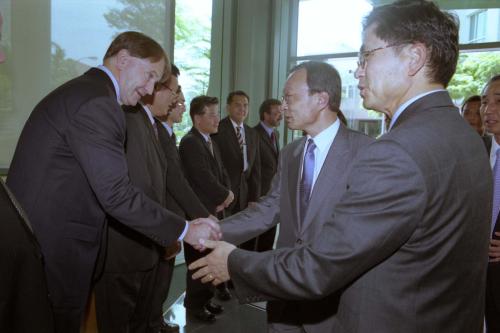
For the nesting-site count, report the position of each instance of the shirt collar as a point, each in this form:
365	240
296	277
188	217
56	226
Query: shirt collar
149	113
493	153
324	139
235	124
169	129
206	137
113	79
268	129
403	106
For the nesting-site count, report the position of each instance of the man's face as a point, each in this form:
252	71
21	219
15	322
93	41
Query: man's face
180	107
165	97
490	107
137	77
383	82
473	115
208	122
274	116
238	108
298	105
2	54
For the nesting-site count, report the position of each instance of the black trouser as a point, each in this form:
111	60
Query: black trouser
162	285
197	293
492	309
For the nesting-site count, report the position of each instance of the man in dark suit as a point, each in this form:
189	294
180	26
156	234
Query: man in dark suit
239	146
75	137
270	116
209	180
336	148
490	109
407	242
22	280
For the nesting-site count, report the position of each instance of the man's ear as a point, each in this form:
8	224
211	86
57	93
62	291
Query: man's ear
418	58
122	59
323	100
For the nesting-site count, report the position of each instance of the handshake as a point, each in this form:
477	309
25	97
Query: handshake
202	229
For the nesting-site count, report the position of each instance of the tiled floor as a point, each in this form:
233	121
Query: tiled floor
235	318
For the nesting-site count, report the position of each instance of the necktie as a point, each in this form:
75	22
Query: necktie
496	191
307	178
210	147
239	136
273	141
155	128
174	139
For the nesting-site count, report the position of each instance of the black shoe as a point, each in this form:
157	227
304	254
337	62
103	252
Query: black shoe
214	308
202	315
169	328
223	294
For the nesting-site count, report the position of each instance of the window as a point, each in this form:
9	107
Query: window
477	27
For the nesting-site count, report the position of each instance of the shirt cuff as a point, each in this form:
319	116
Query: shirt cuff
184	232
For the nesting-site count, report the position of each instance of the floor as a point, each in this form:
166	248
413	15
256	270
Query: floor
250	318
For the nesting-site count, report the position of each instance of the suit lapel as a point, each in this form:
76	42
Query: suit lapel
294	166
267	139
227	126
331	172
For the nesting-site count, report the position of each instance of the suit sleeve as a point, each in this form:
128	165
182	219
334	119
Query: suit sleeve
178	187
253	221
96	137
195	160
385	201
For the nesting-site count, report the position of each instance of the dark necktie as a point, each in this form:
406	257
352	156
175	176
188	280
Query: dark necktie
173	137
496	191
239	136
307	178
155	128
210	147
273	141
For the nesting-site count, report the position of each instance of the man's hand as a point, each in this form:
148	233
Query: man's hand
202	228
213	267
494	250
229	199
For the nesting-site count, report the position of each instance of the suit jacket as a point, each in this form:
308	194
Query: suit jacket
205	172
181	198
245	185
128	250
283	199
22	279
406	241
269	153
69	169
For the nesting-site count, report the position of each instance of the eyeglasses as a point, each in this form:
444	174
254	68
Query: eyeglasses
363	56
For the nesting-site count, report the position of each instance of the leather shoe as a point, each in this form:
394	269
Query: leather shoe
223	294
202	315
214	308
169	328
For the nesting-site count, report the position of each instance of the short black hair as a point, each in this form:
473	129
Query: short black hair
198	104
236	93
420	21
265	107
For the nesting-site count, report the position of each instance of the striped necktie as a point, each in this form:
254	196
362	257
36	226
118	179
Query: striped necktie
239	136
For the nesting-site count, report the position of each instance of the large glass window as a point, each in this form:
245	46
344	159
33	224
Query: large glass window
49	42
327	31
193	22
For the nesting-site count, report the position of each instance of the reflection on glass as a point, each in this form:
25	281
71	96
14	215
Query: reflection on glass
324	27
478	25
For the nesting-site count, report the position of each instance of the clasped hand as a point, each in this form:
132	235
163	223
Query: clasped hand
202	229
213	267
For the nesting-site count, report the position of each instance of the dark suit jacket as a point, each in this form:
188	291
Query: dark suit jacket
24	299
205	172
68	171
283	199
268	158
408	240
245	185
128	250
181	198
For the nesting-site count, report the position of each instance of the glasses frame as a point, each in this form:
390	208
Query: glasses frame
364	55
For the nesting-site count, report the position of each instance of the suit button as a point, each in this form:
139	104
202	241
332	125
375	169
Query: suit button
299	241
